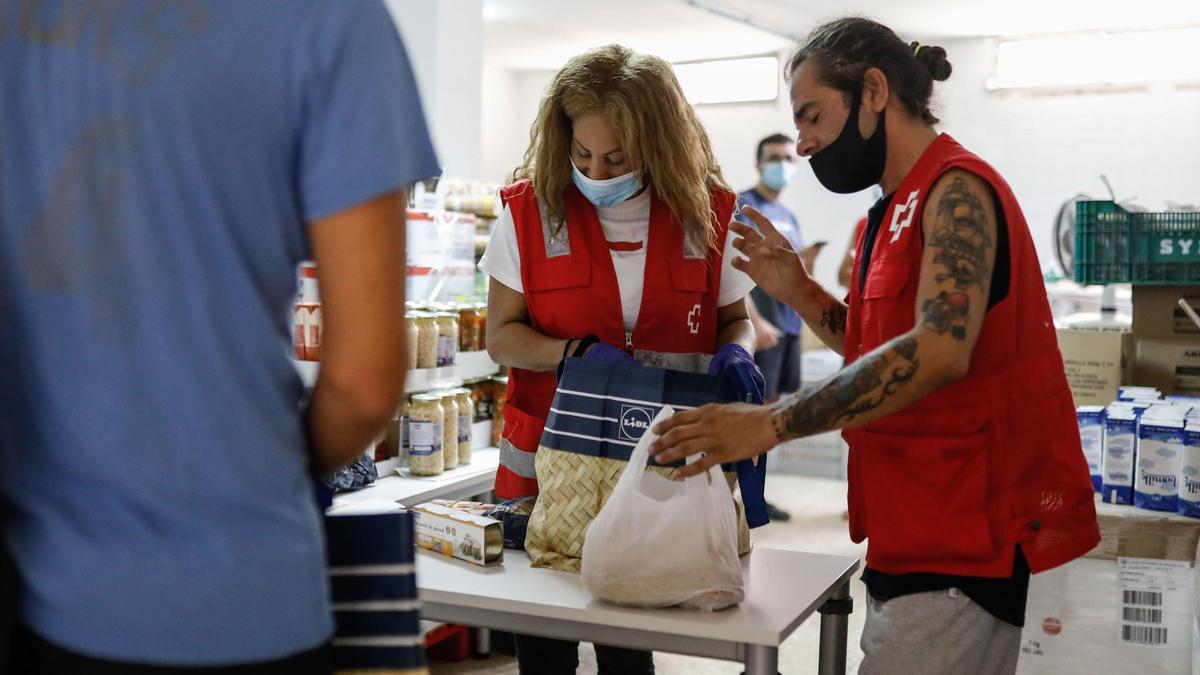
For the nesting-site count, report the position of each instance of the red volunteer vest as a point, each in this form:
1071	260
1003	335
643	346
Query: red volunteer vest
953	483
571	290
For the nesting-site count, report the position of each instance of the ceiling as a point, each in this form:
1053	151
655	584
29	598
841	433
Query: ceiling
542	34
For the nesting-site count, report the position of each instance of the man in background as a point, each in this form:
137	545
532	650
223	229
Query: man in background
163	169
776	324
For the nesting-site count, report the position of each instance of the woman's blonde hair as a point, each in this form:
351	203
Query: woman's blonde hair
656	126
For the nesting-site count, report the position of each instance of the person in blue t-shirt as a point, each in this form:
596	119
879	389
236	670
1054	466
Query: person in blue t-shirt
779	353
163	169
777	326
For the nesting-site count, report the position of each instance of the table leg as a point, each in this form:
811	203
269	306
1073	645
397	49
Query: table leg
483	643
762	660
835	623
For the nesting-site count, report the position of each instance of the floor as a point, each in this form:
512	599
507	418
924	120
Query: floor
818	524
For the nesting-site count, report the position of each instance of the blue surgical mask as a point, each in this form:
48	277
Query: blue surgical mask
607	193
778	174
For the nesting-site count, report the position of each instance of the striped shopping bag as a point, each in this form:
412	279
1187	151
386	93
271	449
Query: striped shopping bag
373	580
599	413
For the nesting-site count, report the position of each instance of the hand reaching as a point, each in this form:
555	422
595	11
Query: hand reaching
770	260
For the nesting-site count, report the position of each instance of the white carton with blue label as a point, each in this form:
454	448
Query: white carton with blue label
1120	449
1127	393
1189	472
1160	446
1091	437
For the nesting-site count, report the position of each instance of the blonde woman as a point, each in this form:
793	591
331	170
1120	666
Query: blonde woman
612	246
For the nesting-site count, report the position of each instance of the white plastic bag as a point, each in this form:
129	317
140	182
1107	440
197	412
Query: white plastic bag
660	543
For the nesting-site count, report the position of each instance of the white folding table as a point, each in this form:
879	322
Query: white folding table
783	589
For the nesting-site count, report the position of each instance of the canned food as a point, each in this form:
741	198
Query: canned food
449	402
427	340
298	330
447	344
426	429
466	417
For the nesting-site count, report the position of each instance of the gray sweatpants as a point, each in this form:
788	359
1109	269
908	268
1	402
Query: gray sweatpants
936	632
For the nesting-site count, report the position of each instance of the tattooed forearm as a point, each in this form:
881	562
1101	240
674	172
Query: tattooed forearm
948	313
834	317
862	387
965	241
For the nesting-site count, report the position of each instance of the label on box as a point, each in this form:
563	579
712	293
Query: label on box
458	534
312	332
1119	443
1160	458
1152	589
298	330
1091	436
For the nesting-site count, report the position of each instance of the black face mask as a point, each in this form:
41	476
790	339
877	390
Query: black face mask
852	163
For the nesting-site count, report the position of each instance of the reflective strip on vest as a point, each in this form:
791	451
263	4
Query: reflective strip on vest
693	362
557	243
516	460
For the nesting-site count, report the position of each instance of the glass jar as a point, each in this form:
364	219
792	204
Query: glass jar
499	396
481	322
449	402
447	344
426	434
468	328
427	340
414	338
466	417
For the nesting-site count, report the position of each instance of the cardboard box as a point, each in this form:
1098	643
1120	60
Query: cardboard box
1158	316
1171	366
1097	362
458	534
1128	606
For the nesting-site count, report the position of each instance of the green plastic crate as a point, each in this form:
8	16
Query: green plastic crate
1115	246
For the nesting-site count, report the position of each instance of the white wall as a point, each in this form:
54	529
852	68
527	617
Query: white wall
1049	147
736	129
444	40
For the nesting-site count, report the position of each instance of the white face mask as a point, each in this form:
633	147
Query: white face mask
609	192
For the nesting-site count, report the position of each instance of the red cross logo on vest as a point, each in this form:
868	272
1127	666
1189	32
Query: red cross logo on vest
906	210
693	320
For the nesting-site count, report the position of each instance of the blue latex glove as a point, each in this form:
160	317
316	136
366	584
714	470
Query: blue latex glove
737	368
606	353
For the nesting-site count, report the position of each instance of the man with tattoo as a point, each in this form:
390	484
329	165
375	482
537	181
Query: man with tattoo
965	472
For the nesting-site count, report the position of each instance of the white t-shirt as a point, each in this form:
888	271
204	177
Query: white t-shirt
628	221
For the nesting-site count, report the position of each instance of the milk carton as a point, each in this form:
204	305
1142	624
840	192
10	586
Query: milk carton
1159	461
1189	472
1129	393
1091	436
1120	449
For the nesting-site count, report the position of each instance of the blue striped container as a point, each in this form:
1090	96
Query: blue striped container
373	580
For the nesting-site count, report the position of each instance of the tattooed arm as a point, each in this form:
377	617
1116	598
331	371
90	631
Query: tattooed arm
959	227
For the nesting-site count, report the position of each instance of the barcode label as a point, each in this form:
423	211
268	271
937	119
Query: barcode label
1144	635
1150	598
1142	615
